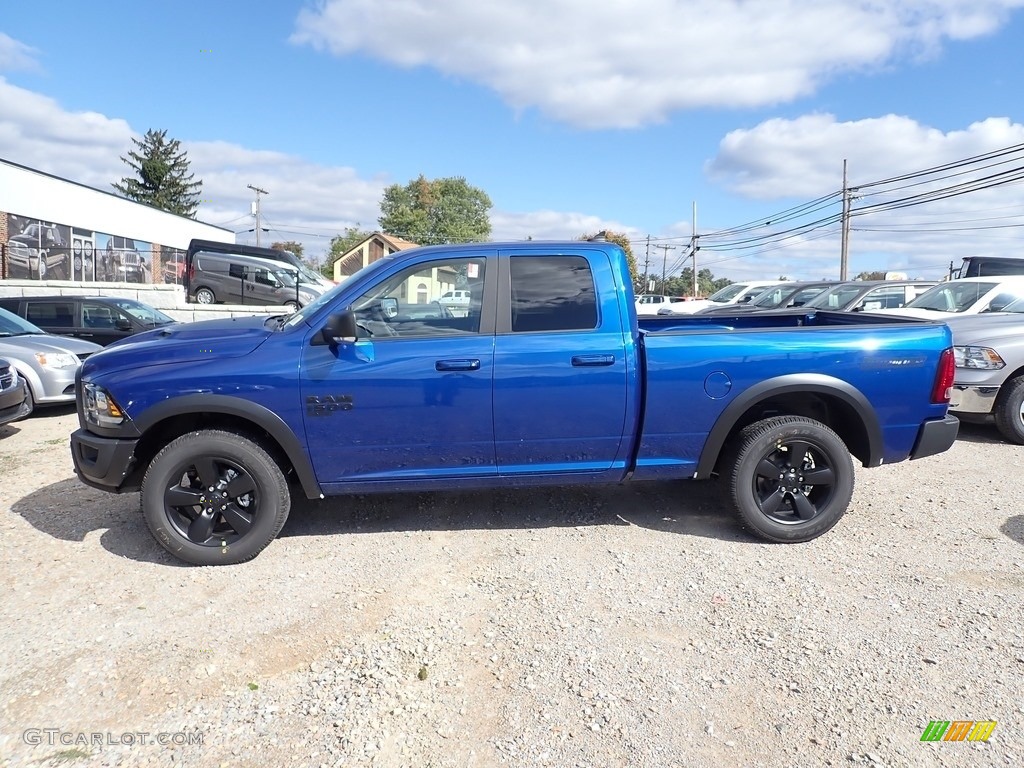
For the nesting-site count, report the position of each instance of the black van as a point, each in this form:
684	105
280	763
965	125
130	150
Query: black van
991	266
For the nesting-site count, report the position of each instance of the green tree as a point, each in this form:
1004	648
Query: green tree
871	276
289	245
435	212
623	242
163	179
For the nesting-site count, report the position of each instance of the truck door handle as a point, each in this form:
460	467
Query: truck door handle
582	361
457	365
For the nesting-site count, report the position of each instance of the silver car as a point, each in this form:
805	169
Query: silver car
989	382
45	362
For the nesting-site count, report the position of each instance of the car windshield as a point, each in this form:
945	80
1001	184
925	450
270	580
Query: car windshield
1014	306
144	314
728	293
836	297
952	297
12	325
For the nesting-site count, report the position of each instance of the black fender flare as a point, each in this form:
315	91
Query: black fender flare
809	383
262	417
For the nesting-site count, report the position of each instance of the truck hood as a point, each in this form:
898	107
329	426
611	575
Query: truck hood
184	343
986	328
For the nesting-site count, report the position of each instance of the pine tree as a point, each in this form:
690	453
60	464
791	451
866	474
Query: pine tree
164	181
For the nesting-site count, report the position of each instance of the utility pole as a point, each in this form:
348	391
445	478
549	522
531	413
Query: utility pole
647	267
693	247
664	262
256	209
845	249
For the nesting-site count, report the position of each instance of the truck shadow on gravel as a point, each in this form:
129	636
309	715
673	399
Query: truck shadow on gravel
979	433
683	507
69	511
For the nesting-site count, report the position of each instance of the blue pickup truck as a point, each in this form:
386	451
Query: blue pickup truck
545	376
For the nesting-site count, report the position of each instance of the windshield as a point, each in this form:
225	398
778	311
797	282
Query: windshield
728	293
837	297
951	297
285	277
144	314
12	325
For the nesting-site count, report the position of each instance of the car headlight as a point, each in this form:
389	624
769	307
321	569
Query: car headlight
57	359
978	358
99	407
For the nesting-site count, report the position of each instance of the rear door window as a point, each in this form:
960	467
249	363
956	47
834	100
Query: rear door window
552	293
51	314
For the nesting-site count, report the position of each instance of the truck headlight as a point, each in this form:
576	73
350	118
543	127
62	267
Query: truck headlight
977	358
57	360
99	407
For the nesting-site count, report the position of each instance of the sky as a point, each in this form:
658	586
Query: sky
574	116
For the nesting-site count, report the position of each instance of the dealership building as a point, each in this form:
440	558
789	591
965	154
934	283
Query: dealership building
55	229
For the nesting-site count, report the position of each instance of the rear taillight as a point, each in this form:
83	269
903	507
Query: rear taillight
944	377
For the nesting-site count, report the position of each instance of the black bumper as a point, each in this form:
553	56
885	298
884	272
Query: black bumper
12	404
103	462
935	437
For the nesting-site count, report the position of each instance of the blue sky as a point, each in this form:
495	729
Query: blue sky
573	116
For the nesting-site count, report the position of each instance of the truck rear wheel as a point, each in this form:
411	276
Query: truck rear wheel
791	478
214	498
1009	411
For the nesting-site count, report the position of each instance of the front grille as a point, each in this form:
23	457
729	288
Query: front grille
6	378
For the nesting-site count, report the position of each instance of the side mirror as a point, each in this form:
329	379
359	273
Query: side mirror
340	327
389	307
123	324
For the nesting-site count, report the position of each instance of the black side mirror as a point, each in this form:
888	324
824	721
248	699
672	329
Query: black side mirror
123	324
340	327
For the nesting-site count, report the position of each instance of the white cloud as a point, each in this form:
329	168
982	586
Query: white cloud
15	55
551	225
605	63
801	160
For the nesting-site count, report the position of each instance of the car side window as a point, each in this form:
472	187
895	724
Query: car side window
552	293
98	316
439	298
51	314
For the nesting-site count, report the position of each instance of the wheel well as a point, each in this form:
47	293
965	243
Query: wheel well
171	428
834	412
1007	381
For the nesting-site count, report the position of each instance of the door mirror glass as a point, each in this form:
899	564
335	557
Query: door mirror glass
340	327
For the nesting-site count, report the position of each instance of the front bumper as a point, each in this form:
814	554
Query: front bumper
13	405
935	437
969	398
103	462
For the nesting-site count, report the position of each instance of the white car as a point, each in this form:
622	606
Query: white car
650	303
457	298
734	293
966	296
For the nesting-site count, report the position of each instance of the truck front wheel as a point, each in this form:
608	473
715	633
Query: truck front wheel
1009	411
214	498
791	478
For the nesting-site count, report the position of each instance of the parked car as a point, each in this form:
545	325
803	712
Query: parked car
734	294
12	394
868	295
46	363
966	296
991	266
100	319
650	303
781	296
38	249
456	298
224	277
989	381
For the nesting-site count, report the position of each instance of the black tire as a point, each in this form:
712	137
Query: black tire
1009	411
205	296
782	496
30	400
232	523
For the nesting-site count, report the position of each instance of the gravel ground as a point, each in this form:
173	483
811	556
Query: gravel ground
602	627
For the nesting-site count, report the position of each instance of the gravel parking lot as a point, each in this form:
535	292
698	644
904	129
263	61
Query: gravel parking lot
604	627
